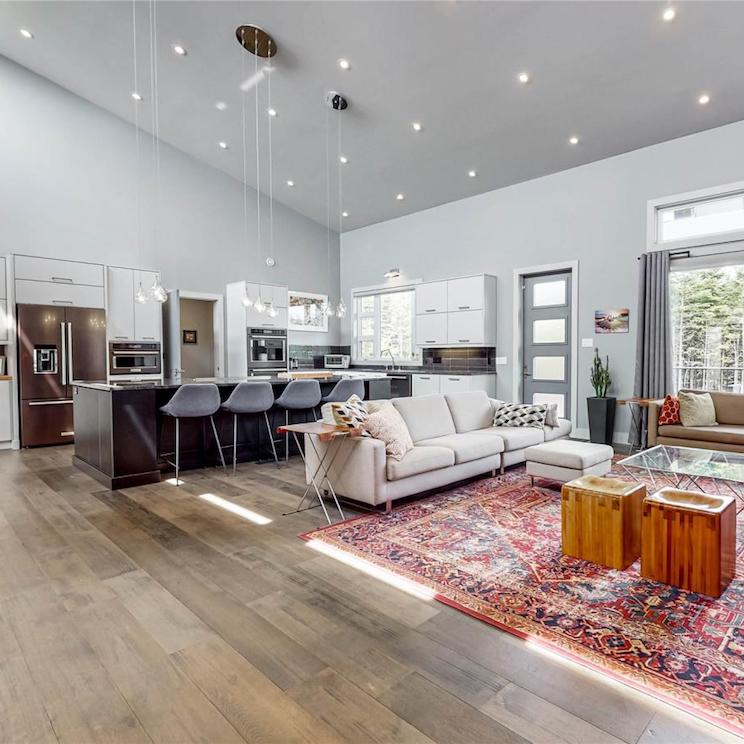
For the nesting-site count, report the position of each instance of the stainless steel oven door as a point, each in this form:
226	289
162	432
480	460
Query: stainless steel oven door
267	352
135	362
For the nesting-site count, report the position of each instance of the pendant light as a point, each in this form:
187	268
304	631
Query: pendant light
157	291
140	295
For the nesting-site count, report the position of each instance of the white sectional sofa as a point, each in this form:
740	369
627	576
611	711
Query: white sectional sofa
453	439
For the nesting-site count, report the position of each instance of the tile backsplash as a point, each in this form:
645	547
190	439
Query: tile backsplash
309	356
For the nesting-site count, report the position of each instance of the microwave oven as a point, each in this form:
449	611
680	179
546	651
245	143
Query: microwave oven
336	361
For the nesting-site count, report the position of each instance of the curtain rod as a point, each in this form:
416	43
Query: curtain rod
687	254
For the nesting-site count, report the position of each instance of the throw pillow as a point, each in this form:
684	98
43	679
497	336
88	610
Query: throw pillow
388	426
351	415
697	410
519	414
551	416
669	412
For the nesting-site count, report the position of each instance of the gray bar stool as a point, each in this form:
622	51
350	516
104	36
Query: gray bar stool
250	397
193	401
343	390
299	395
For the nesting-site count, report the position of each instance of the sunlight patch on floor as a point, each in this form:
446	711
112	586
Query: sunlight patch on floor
376	572
236	509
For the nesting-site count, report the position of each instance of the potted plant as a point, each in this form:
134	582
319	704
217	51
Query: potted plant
601	406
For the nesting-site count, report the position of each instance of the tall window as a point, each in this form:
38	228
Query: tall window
707	307
384	325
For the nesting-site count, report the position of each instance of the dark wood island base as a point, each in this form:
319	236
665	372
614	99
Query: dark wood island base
118	428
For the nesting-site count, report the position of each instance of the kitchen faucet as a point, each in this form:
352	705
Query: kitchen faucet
392	358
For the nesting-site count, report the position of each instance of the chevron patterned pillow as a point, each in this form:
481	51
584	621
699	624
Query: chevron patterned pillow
521	414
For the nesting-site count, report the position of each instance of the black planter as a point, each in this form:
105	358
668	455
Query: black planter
601	419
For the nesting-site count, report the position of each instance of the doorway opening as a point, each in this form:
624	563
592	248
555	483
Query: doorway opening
193	332
546	337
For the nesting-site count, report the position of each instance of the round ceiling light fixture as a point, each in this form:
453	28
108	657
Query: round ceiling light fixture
255	40
26	34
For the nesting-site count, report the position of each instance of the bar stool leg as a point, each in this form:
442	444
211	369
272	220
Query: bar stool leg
219	446
271	438
286	435
235	441
178	449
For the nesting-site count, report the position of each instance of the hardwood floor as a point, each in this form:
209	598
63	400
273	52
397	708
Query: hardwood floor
153	615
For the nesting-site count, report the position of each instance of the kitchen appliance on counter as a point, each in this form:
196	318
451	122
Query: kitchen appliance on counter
134	360
336	361
57	346
267	350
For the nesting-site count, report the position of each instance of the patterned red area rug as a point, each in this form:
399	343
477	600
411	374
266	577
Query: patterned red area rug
493	549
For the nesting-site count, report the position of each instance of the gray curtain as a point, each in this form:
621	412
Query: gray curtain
653	371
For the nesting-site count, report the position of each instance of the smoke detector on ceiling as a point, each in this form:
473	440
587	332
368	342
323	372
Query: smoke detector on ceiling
334	100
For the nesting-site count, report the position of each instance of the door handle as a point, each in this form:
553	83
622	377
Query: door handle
63	349
69	352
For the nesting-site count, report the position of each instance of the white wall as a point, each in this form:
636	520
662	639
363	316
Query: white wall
67	189
595	214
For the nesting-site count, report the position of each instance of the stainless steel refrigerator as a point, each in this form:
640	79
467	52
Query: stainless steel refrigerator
56	346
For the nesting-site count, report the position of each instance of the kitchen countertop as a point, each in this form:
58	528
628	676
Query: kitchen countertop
425	371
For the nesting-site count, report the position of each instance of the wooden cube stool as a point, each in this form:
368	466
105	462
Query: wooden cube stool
601	520
689	540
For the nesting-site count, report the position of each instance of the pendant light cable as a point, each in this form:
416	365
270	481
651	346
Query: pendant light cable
329	307
140	295
259	305
247	299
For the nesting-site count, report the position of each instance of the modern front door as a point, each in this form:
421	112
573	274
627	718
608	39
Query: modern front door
546	343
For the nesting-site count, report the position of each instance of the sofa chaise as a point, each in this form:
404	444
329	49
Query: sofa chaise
453	439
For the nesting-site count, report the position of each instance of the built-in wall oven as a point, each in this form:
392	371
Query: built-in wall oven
134	359
267	350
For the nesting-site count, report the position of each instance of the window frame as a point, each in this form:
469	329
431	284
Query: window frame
357	339
690	198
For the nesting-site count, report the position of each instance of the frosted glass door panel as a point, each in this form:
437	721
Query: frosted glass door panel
549	331
549	368
549	294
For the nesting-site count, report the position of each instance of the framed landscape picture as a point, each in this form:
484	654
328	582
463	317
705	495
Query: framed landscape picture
612	321
306	311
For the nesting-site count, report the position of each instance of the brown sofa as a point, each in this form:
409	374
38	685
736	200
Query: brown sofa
728	435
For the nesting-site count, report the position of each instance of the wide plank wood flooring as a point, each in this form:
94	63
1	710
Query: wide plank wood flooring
152	615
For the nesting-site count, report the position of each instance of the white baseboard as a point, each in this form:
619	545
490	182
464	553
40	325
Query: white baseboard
619	437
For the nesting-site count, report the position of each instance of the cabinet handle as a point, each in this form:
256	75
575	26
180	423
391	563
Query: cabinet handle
429	342
61	279
454	379
124	337
268	324
421	377
148	338
463	307
463	340
430	310
62	302
67	433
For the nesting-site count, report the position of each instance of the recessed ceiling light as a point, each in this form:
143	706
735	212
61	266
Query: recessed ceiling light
344	64
417	126
222	145
136	96
220	105
400	197
669	14
704	98
343	159
573	140
272	112
290	184
26	34
179	50
344	214
524	77
472	173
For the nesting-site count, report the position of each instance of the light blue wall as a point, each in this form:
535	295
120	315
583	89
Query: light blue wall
595	214
67	189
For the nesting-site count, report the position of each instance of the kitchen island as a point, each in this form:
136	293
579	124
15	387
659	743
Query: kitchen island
119	431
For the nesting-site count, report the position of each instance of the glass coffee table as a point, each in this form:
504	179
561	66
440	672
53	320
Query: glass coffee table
690	468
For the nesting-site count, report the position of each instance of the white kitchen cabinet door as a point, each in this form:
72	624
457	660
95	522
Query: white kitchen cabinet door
466	327
58	271
148	316
465	294
431	297
252	317
280	296
486	383
454	383
6	424
3	280
4	322
120	291
28	292
424	384
431	330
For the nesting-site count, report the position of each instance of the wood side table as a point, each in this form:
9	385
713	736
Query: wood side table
601	520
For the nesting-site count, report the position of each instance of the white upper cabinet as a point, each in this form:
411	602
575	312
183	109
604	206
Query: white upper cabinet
280	296
148	316
467	293
431	297
270	293
3	304
58	271
120	303
431	330
466	327
3	280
